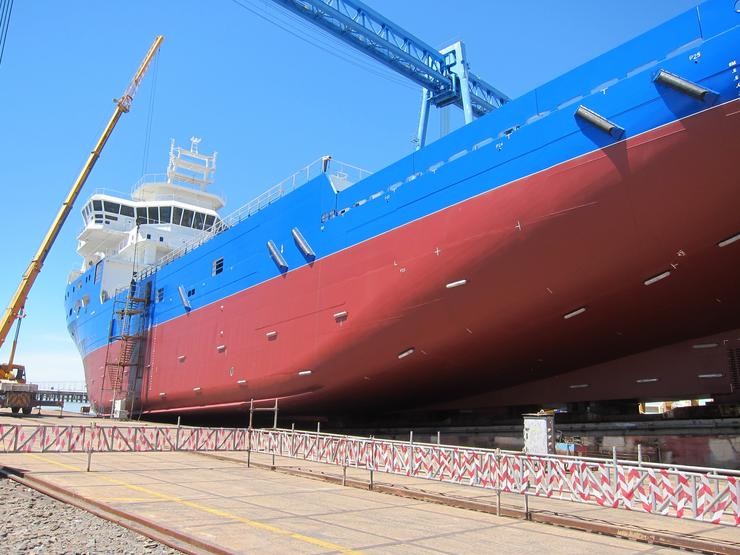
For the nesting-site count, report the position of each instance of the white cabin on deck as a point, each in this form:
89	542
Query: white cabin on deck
163	213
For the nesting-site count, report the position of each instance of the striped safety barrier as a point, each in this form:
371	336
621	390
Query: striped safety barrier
706	494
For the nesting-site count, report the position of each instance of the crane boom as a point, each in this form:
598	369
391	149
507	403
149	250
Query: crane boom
123	105
444	74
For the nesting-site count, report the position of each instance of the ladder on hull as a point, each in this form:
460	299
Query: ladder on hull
123	368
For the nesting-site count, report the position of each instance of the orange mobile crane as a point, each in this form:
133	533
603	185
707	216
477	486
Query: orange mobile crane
15	393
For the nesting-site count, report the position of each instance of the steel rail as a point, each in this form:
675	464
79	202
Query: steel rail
145	527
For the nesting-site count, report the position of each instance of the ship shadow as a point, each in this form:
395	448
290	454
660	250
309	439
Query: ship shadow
614	149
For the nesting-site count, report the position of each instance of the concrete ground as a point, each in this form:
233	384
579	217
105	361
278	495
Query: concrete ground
217	499
244	509
635	520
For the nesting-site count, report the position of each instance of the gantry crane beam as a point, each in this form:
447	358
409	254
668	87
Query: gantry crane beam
444	75
123	105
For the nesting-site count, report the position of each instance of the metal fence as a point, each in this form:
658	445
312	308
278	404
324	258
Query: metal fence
705	494
62	386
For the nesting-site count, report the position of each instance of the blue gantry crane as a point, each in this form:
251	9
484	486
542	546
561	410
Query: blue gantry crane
443	74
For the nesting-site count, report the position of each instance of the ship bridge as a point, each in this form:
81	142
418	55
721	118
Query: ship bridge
164	212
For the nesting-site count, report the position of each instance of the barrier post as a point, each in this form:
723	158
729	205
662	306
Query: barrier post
249	446
439	438
177	435
272	449
90	449
274	421
278	448
639	454
527	516
372	460
498	482
410	466
344	472
615	484
292	440
251	412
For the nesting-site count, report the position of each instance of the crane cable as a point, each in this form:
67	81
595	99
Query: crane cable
6	9
150	118
306	32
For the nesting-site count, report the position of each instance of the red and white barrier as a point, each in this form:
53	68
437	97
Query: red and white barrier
710	495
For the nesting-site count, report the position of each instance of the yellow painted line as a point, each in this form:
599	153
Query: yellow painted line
210	510
125	499
56	463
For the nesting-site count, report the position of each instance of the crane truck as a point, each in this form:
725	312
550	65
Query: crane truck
15	393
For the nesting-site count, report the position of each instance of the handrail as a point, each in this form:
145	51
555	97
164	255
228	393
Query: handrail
282	188
109	192
149	178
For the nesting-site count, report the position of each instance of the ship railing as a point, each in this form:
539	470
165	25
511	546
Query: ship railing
73	275
346	173
160	197
161	179
710	495
149	178
109	192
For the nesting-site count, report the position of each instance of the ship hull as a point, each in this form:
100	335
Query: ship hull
337	334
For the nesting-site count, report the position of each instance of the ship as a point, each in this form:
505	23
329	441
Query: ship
578	244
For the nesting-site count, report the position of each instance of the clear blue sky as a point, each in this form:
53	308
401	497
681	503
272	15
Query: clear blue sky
266	100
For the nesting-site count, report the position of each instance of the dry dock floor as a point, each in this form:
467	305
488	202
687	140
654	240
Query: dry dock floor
219	501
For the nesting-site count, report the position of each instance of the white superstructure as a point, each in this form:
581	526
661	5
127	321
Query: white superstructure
163	213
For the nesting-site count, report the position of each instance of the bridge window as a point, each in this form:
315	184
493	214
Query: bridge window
176	215
127	210
218	266
187	218
209	221
153	214
112	207
141	217
97	205
164	214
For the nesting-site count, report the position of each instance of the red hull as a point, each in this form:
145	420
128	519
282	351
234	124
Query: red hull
585	233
